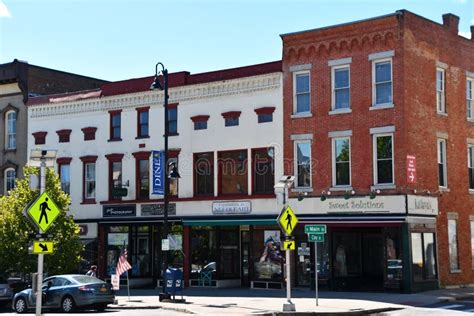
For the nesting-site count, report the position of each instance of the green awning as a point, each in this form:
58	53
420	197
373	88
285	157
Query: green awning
228	222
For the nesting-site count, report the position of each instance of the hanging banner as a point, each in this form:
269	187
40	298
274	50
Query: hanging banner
158	174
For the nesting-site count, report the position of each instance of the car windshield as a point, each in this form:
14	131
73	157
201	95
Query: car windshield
83	279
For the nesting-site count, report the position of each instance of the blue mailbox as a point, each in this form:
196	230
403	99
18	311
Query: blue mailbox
174	281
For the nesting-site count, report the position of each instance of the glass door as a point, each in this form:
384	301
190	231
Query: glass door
303	264
245	257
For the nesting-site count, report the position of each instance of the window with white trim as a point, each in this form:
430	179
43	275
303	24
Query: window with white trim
65	177
470	98
10	178
383	159
302	93
341	162
10	130
303	163
470	165
453	245
382	82
442	170
340	87
440	95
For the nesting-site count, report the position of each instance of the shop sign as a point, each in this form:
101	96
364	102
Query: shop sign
231	208
422	205
119	210
381	204
157	209
411	169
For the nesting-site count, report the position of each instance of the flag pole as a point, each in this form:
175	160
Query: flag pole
128	287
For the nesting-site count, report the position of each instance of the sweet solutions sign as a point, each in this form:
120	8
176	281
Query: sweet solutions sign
381	204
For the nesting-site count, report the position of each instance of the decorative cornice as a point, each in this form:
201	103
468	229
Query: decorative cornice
155	98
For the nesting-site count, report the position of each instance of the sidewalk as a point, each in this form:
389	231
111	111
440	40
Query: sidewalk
243	301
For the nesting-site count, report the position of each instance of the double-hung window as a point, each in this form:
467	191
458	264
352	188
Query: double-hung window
470	98
64	170
10	178
302	94
340	87
142	122
470	165
11	130
263	170
233	172
89	183
383	159
382	82
303	163
440	94
173	120
341	162
115	125
442	170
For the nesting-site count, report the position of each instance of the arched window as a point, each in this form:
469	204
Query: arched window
10	130
10	177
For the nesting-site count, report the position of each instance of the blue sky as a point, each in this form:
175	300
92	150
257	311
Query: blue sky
118	39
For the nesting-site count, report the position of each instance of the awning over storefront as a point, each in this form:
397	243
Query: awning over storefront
229	222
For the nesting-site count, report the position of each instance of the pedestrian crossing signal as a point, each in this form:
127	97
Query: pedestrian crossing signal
43	212
287	221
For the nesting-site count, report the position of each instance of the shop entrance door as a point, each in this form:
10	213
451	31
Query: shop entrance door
245	258
373	259
303	264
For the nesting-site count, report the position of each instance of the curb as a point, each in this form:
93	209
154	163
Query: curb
149	307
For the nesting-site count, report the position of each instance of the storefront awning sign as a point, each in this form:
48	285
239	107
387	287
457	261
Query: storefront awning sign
287	221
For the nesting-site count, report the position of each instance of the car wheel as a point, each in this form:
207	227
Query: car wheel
101	307
67	305
20	305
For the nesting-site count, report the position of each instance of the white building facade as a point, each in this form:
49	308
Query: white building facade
226	141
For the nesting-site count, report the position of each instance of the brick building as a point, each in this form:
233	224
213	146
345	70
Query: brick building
18	81
358	99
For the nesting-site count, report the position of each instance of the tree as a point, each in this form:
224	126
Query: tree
15	228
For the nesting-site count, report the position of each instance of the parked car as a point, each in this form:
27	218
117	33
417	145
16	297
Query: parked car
6	292
67	292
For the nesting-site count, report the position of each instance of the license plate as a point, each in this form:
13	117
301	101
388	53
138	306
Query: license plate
103	289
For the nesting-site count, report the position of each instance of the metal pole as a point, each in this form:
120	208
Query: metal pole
39	290
165	180
316	271
288	277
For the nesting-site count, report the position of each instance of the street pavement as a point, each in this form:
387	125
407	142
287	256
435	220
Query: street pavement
109	312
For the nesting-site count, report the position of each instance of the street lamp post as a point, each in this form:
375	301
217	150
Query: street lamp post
156	85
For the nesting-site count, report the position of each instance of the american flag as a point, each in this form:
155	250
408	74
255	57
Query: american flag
122	264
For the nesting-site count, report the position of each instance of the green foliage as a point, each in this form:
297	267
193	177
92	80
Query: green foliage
15	227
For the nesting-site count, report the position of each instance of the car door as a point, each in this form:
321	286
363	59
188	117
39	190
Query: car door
46	286
55	293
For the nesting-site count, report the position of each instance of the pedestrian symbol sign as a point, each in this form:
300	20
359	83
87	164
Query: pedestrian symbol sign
42	247
287	220
43	211
289	245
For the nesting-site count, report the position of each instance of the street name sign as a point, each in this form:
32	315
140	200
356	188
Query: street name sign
316	237
289	245
42	247
287	221
315	229
43	211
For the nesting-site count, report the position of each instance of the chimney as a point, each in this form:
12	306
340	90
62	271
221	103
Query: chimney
451	22
472	32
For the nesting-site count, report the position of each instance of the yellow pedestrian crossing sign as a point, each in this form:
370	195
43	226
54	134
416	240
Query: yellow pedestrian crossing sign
289	245
42	247
287	221
43	211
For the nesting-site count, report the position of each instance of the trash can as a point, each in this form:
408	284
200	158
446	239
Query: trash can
174	282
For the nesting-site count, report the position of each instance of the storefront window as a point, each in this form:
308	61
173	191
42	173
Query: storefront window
175	255
453	245
268	259
423	256
117	238
393	253
140	251
203	251
347	261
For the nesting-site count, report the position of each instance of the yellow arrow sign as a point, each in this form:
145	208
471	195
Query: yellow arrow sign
287	220
42	247
289	244
43	211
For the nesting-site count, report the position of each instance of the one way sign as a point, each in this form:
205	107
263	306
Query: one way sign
411	169
42	247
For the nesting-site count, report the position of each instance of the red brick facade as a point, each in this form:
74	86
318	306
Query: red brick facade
417	45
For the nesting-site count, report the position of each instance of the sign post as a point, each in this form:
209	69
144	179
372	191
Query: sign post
315	234
288	221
